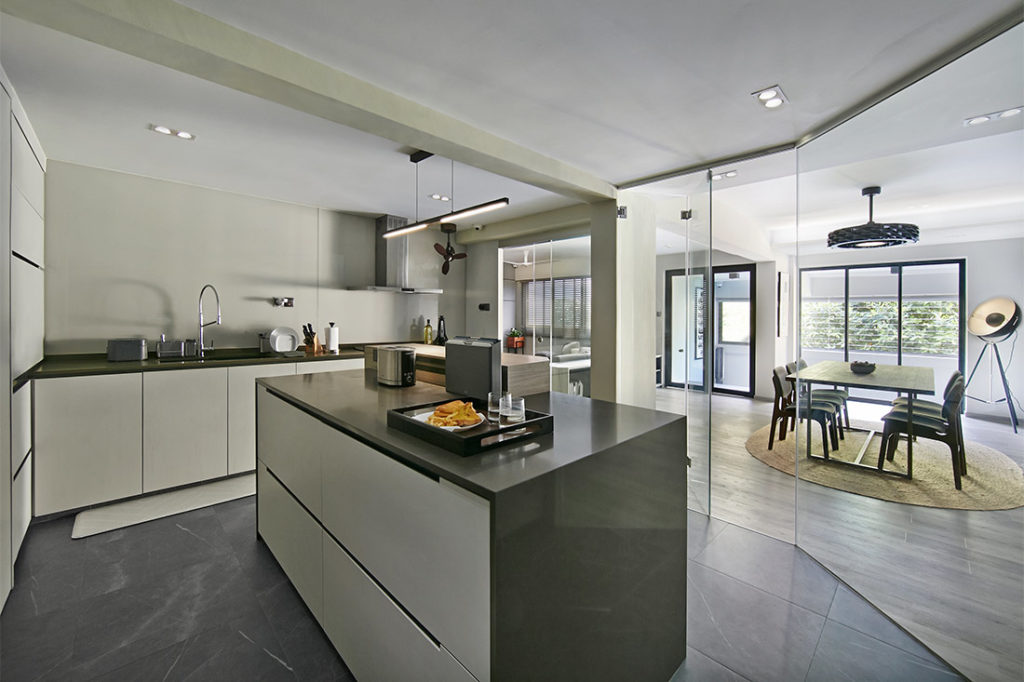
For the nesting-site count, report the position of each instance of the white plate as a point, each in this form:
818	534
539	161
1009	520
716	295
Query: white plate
426	415
284	339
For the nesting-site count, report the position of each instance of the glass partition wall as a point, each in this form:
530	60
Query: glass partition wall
950	576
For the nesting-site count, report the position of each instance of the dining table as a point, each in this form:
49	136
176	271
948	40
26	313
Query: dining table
909	380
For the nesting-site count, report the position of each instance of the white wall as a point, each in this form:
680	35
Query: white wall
483	285
993	269
127	256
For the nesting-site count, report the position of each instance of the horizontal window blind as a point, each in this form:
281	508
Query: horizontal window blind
557	307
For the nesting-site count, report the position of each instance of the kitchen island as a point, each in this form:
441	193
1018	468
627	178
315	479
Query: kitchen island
560	558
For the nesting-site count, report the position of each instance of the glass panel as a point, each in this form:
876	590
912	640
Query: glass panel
873	322
570	284
931	318
822	315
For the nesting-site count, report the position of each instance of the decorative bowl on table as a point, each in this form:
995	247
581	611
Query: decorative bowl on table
861	367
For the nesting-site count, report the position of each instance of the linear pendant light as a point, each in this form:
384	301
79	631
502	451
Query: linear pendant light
448	217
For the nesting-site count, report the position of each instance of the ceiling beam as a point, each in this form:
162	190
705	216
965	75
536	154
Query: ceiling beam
175	36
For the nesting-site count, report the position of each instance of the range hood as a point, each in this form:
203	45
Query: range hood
391	260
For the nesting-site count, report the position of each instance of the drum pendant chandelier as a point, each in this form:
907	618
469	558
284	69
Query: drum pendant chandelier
872	235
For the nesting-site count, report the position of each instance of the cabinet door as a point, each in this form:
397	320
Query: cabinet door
185	427
26	229
21	426
294	538
314	366
242	412
26	173
21	506
26	316
425	541
88	440
377	640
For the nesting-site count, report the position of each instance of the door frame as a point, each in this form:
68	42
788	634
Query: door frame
751	347
684	272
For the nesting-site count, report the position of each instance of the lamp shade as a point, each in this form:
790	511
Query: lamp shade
995	319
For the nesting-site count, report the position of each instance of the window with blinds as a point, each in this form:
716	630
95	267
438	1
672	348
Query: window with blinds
557	307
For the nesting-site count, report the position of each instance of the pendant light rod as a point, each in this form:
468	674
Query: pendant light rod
448	217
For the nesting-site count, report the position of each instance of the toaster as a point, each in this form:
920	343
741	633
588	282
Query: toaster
124	350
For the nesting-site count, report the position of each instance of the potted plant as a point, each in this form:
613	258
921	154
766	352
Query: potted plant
514	339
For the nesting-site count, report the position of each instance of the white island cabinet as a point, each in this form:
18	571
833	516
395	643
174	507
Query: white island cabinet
88	436
185	427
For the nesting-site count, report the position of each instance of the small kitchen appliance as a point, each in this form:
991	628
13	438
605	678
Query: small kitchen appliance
396	366
472	366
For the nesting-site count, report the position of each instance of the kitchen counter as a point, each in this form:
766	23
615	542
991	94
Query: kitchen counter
520	374
561	557
88	364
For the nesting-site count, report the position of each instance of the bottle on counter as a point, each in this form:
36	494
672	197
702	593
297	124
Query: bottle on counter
442	337
428	333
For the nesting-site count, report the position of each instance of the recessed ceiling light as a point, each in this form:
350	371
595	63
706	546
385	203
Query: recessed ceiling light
993	116
440	197
731	174
716	177
435	196
724	175
771	97
164	130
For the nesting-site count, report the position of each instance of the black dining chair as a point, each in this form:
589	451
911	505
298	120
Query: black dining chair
837	397
787	407
933	409
945	428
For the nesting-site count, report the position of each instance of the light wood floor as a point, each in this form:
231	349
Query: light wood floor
954	579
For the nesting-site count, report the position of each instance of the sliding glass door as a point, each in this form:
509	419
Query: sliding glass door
893	314
686	294
733	329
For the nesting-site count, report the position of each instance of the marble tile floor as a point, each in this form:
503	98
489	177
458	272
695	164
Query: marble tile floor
197	597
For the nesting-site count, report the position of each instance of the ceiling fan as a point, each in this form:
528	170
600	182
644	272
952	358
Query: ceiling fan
447	252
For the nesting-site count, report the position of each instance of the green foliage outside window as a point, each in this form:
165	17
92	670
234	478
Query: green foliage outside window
929	326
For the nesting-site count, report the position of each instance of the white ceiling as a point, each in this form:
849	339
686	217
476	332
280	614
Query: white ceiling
617	90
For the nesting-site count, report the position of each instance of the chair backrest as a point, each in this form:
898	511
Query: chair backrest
780	383
955	395
790	367
957	374
801	363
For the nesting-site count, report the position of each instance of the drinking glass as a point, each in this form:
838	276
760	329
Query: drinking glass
517	410
494	407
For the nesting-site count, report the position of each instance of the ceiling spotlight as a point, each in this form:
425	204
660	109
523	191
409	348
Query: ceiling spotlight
993	116
723	175
771	97
185	135
435	196
163	130
731	174
716	177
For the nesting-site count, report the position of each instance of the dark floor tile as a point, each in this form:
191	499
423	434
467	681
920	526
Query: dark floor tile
37	647
750	631
700	530
849	609
48	543
304	642
699	668
772	565
42	588
845	654
238	520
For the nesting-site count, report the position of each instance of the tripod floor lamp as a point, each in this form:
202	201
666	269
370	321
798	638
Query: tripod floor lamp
993	321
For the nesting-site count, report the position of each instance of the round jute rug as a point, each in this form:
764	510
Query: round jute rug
993	480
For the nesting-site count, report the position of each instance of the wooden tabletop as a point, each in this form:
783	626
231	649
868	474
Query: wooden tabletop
901	378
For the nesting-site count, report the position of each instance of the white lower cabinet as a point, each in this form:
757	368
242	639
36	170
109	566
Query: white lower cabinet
375	637
315	366
21	506
294	537
290	443
242	412
185	427
21	425
426	541
88	440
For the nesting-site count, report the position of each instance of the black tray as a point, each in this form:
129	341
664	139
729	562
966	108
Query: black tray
471	441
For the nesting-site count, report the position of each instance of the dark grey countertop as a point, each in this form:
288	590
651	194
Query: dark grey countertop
353	402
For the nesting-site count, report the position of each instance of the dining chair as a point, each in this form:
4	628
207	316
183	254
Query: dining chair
836	396
933	409
786	408
944	428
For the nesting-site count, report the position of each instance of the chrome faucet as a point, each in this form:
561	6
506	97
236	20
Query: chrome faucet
202	291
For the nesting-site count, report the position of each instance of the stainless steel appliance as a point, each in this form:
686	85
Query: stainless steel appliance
396	366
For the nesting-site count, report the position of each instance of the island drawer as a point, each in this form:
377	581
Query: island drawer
294	538
410	653
426	541
289	442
